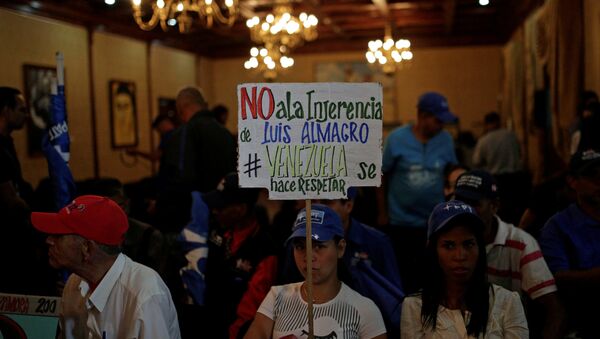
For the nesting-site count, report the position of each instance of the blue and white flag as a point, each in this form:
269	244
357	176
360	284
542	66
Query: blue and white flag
193	239
56	143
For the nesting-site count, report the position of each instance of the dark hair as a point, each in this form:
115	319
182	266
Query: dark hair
590	138
106	187
123	88
219	109
8	97
162	117
434	288
585	98
492	118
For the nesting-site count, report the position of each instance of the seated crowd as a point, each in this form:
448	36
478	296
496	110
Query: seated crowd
191	254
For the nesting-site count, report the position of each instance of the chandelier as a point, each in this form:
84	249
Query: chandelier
282	28
183	12
279	32
389	54
269	61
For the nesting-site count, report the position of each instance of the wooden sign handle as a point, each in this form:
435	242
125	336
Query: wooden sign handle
309	286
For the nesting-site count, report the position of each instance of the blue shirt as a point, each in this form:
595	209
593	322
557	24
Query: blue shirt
571	241
416	174
374	248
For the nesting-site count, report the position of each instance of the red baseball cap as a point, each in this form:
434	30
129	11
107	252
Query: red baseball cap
90	216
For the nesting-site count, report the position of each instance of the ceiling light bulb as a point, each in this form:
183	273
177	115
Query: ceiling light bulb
370	57
407	55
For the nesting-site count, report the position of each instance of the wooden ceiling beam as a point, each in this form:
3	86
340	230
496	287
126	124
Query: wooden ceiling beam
449	14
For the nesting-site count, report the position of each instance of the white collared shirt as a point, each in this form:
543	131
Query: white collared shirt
506	319
131	302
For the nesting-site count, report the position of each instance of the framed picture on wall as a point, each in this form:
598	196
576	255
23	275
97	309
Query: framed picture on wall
123	114
357	71
38	81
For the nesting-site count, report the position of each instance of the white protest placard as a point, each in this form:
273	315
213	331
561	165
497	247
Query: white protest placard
309	140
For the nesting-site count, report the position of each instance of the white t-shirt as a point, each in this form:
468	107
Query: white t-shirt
506	319
349	315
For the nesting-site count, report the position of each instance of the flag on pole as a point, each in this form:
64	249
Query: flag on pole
193	239
56	142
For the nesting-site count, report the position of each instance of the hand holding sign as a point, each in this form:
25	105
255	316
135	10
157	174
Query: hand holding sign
309	141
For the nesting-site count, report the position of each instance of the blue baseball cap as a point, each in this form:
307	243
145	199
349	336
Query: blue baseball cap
436	104
325	224
445	212
583	162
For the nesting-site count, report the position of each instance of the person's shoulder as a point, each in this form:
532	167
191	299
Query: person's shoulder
413	300
370	231
140	277
500	296
443	138
286	289
565	217
517	234
361	302
400	132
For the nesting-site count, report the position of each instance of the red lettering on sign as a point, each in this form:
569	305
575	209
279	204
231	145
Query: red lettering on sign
256	106
14	304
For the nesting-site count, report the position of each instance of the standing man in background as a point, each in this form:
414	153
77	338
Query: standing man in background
414	157
200	154
22	257
497	152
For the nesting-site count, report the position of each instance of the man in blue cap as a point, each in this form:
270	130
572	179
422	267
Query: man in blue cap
414	158
369	252
570	242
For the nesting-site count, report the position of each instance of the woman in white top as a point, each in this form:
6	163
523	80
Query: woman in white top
456	300
339	311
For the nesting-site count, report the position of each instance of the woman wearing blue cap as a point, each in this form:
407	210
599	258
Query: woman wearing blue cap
339	311
456	300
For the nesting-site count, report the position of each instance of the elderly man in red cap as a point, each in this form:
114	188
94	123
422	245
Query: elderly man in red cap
108	295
